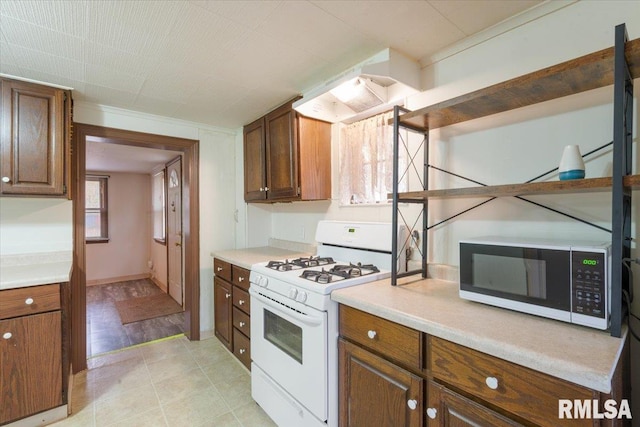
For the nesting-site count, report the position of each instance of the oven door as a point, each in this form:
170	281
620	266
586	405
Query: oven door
535	280
289	343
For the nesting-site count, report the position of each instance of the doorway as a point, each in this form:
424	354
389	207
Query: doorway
190	226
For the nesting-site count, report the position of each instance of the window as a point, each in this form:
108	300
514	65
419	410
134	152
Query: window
96	218
366	161
158	205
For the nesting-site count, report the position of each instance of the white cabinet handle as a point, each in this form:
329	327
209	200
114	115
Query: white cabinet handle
7	335
372	334
219	269
6	179
242	324
492	383
28	301
412	404
227	295
261	189
266	188
240	279
242	350
432	413
241	302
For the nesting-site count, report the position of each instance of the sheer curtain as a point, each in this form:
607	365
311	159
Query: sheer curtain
366	161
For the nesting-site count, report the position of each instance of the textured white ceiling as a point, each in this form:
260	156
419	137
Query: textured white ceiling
222	63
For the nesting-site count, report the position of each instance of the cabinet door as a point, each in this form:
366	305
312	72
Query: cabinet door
448	409
282	153
30	365
375	392
255	161
222	306
33	139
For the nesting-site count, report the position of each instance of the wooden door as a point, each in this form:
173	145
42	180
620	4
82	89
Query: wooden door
282	153
375	392
30	365
174	230
222	309
448	409
255	161
32	139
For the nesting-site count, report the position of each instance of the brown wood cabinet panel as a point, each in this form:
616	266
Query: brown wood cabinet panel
222	269
241	300
315	158
222	308
29	300
394	341
516	389
282	153
242	321
240	277
255	176
375	392
448	409
30	365
242	348
34	139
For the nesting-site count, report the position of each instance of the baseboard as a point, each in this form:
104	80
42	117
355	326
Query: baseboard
118	279
159	284
42	418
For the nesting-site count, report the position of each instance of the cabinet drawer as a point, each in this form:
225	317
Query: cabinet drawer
29	300
241	299
395	341
242	348
222	269
241	321
240	277
516	389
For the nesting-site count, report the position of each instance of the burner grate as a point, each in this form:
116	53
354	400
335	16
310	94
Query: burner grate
354	270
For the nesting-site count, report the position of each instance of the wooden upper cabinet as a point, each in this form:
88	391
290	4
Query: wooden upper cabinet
34	139
287	157
255	174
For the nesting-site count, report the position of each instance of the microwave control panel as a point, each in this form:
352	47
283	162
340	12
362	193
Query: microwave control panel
589	286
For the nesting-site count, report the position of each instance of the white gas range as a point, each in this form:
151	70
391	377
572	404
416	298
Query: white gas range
294	323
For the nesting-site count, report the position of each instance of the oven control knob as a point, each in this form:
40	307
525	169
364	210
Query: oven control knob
263	281
301	297
293	292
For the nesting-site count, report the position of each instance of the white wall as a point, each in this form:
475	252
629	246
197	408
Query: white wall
128	250
217	181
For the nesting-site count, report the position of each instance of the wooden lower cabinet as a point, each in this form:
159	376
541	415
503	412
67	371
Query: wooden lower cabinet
232	322
31	354
376	392
222	305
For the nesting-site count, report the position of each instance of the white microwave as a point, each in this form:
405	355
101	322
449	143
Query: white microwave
563	281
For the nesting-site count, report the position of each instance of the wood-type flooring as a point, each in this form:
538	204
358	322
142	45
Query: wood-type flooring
105	331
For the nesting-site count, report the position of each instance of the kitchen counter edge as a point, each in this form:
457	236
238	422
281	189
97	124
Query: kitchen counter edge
23	270
577	354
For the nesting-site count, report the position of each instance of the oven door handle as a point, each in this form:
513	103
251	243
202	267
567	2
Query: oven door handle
304	318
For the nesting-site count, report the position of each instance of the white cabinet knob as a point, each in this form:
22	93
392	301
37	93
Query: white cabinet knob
492	383
242	351
28	301
7	335
6	179
432	413
240	279
261	189
227	295
372	334
219	269
241	302
242	324
412	404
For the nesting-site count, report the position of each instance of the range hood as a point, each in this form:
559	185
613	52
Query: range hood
370	87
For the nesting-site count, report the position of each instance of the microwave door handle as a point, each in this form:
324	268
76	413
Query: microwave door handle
304	318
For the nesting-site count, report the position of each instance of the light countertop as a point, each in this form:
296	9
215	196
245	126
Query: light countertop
18	271
246	257
577	354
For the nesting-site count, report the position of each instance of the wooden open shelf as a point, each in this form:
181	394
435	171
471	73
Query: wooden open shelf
577	75
551	187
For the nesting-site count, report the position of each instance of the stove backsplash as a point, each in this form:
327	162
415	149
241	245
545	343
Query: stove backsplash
293	246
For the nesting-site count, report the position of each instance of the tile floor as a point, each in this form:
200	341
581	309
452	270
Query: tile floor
105	331
169	382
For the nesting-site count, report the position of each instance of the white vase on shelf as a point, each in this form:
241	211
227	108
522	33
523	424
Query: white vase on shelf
571	163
